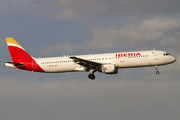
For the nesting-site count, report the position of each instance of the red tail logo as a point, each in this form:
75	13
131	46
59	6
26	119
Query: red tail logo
19	55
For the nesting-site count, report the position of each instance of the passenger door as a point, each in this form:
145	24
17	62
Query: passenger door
156	55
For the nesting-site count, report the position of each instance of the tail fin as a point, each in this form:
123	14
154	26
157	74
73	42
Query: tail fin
18	54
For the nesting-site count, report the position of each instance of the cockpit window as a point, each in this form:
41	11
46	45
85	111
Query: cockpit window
166	54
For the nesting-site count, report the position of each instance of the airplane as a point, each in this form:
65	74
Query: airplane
107	63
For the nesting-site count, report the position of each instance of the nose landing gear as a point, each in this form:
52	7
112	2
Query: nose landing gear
157	72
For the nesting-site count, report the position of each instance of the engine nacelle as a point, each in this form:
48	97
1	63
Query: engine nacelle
109	69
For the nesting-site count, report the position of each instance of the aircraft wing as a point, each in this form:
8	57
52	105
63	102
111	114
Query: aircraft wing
87	63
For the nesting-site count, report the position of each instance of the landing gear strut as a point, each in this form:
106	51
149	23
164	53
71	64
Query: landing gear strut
91	75
157	72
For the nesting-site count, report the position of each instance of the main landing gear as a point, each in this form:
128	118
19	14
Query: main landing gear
157	72
91	75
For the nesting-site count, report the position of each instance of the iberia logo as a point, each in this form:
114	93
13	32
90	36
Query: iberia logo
128	54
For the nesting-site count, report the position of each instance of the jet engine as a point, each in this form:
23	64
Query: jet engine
109	69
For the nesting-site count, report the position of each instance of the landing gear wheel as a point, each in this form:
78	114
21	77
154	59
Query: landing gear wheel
157	72
91	76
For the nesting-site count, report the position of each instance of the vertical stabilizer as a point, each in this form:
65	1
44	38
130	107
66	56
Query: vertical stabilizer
18	54
21	59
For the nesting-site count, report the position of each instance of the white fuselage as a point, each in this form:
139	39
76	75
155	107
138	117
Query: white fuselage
120	60
107	63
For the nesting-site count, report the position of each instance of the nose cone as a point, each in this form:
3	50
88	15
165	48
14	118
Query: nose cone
173	59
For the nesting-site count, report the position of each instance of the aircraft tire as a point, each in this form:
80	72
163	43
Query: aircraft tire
157	72
91	76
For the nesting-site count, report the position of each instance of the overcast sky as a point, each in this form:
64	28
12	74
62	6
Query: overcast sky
73	27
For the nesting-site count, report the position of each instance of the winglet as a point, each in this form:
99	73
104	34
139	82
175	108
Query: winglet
67	56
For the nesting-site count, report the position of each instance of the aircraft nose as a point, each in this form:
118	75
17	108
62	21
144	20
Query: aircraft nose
174	59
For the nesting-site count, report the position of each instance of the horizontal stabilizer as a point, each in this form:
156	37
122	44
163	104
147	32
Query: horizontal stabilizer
14	65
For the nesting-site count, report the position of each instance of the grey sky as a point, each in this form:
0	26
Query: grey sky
56	27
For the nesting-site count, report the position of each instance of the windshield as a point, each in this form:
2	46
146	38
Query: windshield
166	54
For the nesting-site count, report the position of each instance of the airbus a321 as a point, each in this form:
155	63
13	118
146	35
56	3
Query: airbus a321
107	63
